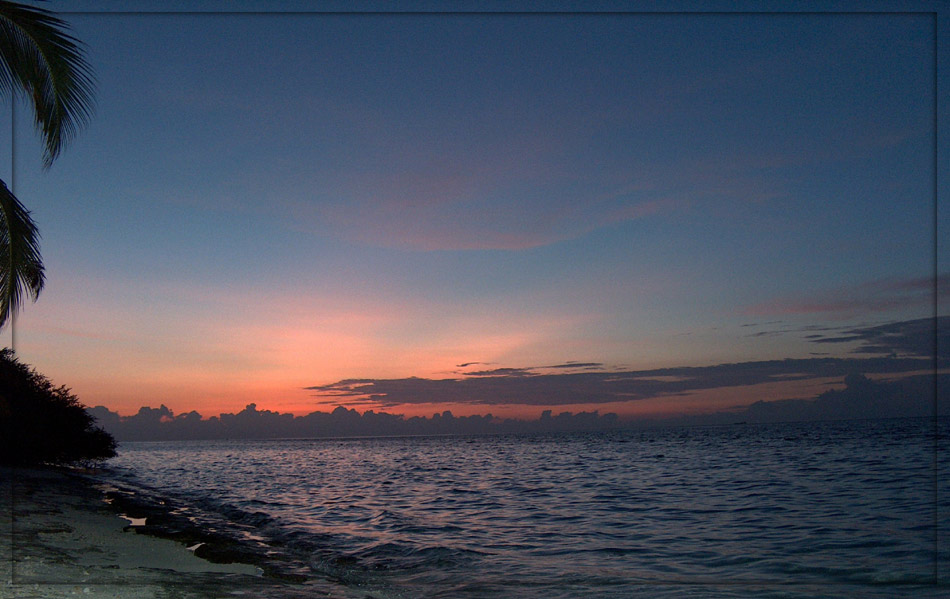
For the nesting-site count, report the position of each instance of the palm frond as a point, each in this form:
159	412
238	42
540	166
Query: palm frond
38	58
21	267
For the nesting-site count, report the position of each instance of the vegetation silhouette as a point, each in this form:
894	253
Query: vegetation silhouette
42	424
41	61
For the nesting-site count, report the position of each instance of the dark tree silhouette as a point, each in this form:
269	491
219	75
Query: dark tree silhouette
41	423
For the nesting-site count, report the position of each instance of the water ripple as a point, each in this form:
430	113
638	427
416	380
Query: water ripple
743	511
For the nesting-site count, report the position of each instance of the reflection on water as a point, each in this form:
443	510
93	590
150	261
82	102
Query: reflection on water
754	510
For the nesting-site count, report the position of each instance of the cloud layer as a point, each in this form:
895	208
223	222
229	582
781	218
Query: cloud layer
900	347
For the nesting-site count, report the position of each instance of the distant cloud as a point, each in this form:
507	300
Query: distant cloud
598	388
912	396
579	365
905	338
759	324
897	347
481	220
874	296
909	397
765	334
536	370
509	372
521	386
159	424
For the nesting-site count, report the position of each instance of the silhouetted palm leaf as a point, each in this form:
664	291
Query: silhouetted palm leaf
39	58
21	268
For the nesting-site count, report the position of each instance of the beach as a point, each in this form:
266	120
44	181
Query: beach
59	537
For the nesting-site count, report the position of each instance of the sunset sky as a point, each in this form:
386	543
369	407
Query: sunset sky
266	207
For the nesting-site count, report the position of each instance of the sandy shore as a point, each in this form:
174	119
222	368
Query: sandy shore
59	538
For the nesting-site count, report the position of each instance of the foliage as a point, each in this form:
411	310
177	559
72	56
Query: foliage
40	60
21	267
41	423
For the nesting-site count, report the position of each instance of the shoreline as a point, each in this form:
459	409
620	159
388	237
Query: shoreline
64	533
69	522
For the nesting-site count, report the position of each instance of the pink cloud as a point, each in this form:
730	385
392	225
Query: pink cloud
461	215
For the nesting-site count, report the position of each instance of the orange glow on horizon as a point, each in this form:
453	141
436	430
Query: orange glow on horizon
301	402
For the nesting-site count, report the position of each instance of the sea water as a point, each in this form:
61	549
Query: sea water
831	509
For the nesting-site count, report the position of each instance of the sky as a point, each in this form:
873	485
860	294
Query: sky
311	209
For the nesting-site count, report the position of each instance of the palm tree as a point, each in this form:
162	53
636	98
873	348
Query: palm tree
21	267
39	59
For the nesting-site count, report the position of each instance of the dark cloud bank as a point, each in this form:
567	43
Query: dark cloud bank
909	348
906	346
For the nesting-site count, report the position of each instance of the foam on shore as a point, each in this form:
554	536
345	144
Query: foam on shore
59	538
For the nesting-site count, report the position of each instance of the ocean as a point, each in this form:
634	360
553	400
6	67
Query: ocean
826	509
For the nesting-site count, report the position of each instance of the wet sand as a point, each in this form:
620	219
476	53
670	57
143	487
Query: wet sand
59	537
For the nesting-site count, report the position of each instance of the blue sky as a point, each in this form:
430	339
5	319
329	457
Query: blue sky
268	202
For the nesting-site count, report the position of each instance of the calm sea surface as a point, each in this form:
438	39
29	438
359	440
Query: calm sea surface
787	510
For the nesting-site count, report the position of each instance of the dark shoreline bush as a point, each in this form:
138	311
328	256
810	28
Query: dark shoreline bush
44	424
